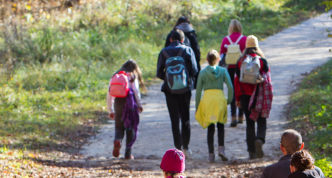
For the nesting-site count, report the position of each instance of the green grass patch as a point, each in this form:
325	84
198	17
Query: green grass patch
55	65
311	110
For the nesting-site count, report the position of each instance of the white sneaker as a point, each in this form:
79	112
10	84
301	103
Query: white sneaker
187	153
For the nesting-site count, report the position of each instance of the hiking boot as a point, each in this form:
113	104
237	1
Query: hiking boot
187	153
259	148
211	158
116	148
221	153
252	155
234	121
241	118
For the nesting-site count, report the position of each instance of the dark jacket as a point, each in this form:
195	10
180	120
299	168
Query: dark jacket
309	173
191	41
188	55
281	169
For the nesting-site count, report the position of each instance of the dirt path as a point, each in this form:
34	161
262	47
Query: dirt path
290	53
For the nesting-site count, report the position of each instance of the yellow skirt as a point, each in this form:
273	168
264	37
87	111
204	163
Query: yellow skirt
212	108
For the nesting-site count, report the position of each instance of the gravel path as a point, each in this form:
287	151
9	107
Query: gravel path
290	53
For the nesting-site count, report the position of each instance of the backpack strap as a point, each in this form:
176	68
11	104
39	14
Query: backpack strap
165	53
238	40
229	39
180	52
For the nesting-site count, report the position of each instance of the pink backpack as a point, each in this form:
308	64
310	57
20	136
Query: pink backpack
119	86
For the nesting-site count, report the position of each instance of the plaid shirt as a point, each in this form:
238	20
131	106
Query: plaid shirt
264	98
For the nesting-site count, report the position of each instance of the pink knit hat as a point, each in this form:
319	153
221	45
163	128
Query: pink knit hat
173	161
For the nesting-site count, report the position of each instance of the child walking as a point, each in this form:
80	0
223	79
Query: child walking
173	164
125	109
212	108
302	166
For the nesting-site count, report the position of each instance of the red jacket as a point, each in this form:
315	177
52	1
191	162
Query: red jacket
247	88
234	36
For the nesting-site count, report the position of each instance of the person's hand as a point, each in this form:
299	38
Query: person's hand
238	104
140	109
111	116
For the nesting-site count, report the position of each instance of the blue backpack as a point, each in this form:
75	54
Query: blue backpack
177	75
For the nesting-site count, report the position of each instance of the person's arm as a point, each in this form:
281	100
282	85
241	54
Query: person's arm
199	89
161	66
191	61
168	40
237	68
223	50
109	100
196	49
137	93
230	90
266	67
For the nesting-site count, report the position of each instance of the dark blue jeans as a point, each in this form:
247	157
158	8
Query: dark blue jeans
251	130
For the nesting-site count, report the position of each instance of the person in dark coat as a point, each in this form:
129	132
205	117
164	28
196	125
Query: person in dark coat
302	166
190	40
291	142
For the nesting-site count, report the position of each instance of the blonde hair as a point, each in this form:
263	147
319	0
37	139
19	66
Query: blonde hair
212	57
234	26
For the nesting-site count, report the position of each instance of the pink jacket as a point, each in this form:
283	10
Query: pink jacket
234	36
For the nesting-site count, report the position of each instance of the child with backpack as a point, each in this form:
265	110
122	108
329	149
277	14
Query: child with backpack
231	50
173	164
253	92
212	108
124	105
302	166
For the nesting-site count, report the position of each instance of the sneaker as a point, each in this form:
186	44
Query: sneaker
222	154
240	120
234	121
116	148
259	148
131	157
252	155
187	153
211	158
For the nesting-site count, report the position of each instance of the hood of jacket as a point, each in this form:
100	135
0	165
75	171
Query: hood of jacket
213	72
185	27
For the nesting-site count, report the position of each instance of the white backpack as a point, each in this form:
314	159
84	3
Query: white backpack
250	70
233	51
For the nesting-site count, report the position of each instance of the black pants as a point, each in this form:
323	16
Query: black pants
179	107
119	126
251	131
210	136
231	72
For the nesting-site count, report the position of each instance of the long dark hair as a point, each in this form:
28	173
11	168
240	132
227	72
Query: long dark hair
253	50
132	67
181	20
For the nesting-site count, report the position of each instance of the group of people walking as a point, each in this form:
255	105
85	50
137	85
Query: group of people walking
240	64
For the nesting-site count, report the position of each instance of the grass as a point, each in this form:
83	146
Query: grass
55	65
311	110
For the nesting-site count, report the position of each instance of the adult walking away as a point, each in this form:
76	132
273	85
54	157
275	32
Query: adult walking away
212	109
253	92
238	42
177	67
291	142
190	39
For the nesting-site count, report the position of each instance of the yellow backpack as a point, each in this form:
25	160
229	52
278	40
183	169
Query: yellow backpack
233	51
